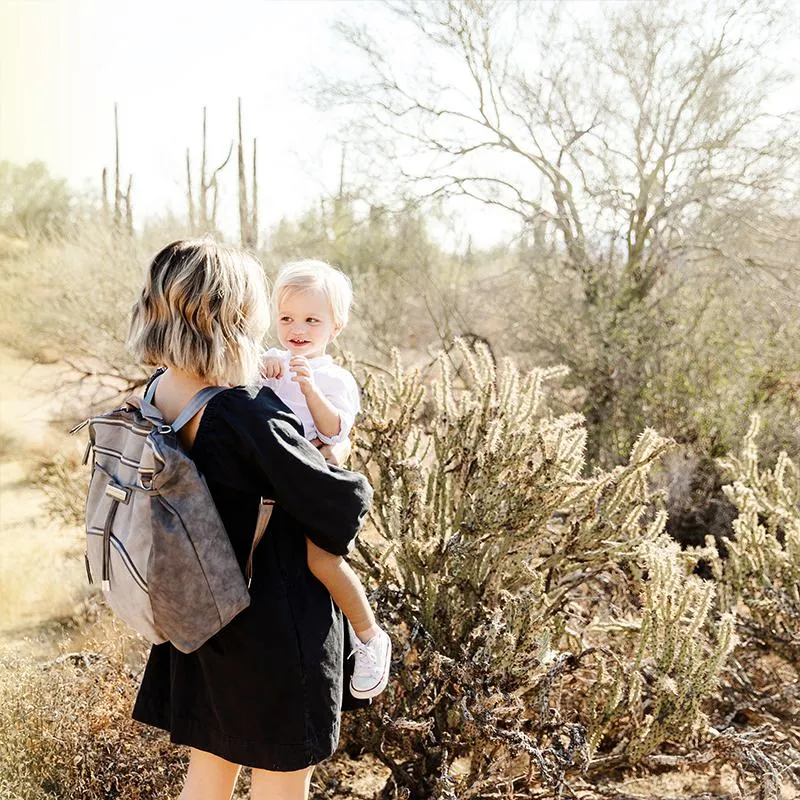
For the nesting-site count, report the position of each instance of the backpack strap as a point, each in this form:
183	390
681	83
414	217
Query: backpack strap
195	404
201	399
264	513
150	386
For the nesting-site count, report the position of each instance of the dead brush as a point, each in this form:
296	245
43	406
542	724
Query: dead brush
66	732
60	476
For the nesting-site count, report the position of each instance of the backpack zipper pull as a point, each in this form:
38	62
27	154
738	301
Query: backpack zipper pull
112	491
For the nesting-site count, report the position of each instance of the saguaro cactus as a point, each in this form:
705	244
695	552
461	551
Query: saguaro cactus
201	217
123	209
248	210
106	209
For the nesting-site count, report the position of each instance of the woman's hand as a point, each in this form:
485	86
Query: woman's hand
336	454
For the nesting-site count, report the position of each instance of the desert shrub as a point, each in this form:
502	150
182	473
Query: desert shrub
8	445
66	732
762	567
757	569
543	614
728	350
33	204
72	297
69	297
739	358
63	480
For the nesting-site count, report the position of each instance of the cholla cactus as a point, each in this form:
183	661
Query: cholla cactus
540	606
464	483
762	568
675	661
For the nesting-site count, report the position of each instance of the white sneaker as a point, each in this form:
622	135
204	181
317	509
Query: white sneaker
371	671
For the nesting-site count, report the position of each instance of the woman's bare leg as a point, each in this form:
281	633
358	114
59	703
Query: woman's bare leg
347	591
267	785
209	777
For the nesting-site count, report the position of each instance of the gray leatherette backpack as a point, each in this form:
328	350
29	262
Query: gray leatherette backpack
154	537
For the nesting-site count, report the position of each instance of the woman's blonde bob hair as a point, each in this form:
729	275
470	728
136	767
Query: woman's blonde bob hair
204	309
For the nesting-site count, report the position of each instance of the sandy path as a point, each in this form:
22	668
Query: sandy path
41	569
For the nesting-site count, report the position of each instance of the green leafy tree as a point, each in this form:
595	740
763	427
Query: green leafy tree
33	203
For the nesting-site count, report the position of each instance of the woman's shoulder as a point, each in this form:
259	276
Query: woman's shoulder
242	407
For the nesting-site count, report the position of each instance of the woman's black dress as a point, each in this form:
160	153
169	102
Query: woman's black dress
268	689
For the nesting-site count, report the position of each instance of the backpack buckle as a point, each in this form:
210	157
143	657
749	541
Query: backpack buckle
118	493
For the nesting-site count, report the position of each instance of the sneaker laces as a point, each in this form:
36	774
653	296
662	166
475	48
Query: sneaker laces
362	651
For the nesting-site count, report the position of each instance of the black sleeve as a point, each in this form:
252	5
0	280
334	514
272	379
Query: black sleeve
329	502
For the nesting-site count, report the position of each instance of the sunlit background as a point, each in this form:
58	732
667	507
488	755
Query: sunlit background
64	63
572	231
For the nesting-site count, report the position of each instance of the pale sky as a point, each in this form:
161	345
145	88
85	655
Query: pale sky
63	64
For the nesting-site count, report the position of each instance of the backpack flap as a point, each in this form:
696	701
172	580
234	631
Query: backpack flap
192	563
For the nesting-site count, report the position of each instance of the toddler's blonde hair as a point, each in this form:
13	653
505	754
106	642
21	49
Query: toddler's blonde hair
311	274
203	309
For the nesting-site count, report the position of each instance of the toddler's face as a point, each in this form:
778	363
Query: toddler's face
305	323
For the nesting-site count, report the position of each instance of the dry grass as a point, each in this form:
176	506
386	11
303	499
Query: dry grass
61	475
41	572
8	445
80	307
67	733
41	569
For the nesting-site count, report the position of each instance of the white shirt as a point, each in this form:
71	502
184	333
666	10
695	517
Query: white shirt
337	385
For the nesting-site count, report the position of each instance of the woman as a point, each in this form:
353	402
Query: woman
266	691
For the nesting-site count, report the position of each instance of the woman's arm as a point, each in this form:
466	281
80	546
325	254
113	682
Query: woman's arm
328	501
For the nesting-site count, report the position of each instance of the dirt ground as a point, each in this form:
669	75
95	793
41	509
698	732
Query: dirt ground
43	583
41	572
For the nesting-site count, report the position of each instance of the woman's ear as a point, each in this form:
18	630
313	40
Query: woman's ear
337	329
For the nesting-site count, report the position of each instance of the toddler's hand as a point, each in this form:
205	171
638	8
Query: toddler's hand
301	368
271	367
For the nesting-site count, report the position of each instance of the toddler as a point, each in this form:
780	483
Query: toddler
312	304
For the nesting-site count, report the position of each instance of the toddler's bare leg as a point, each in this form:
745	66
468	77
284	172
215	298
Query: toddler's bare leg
347	591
